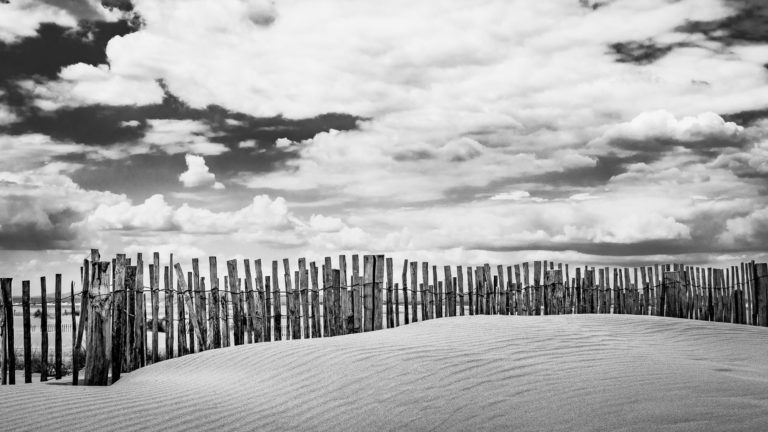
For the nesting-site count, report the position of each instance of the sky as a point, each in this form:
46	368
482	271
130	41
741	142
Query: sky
459	131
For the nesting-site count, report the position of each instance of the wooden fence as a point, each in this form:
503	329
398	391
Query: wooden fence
121	322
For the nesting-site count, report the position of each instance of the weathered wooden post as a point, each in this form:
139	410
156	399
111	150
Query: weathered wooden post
99	303
57	336
249	302
460	286
168	313
181	327
75	350
43	331
224	298
153	298
315	299
261	318
27	333
6	284
304	290
118	323
760	284
415	292
368	291
426	294
277	306
234	291
404	278
388	298
214	275
196	320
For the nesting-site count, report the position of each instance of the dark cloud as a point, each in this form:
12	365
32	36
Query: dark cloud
748	24
746	118
708	147
50	229
595	4
641	52
53	47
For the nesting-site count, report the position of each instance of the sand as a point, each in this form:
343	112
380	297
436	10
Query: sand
578	372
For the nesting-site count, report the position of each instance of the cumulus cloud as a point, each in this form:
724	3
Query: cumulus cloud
661	130
198	174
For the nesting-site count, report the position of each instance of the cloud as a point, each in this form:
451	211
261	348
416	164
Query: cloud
197	173
21	18
83	84
748	230
659	131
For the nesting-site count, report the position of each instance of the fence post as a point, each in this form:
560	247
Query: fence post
276	302
99	301
75	350
4	328
460	287
315	299
368	280
414	290
261	327
196	320
760	276
57	336
406	321
27	335
118	323
43	331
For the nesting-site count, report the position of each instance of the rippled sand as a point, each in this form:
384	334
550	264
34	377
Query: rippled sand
576	372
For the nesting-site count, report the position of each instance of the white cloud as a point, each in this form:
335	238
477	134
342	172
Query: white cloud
247	144
283	143
82	84
181	136
21	18
198	174
512	196
663	124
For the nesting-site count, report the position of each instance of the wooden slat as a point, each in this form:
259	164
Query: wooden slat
181	326
471	291
57	337
234	294
265	303
225	300
368	289
460	288
168	300
344	305
276	303
97	357
406	319
75	356
213	273
760	277
414	290
357	297
304	288
119	321
26	333
250	305
329	302
389	294
186	291
316	333
378	304
43	331
426	295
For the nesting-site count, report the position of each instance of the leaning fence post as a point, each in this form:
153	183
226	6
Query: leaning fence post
75	349
405	292
99	300
196	320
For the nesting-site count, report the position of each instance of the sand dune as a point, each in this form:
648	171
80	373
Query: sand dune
578	372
